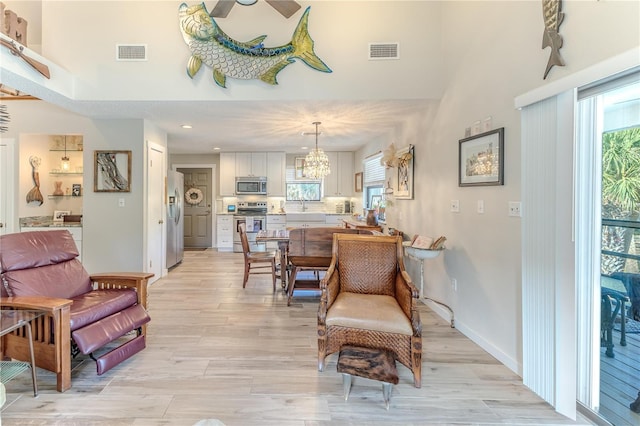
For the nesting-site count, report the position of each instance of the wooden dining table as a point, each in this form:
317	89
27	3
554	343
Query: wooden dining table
281	236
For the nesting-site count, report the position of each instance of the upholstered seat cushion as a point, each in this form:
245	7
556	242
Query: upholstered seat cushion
369	312
97	304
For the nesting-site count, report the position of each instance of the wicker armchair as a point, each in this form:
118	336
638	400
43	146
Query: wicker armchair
368	300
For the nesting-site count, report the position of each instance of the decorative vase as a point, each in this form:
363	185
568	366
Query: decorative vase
58	190
372	218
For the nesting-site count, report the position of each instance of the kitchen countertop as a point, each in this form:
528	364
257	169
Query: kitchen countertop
45	222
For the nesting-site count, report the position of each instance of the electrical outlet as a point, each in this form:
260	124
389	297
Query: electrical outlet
455	206
454	284
515	208
480	206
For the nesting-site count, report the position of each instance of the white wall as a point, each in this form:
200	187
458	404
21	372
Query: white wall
341	30
492	54
112	235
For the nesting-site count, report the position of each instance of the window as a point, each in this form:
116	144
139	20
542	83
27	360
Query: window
373	183
373	180
298	190
307	191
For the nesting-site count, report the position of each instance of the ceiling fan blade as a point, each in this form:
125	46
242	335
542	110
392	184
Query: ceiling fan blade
222	8
286	7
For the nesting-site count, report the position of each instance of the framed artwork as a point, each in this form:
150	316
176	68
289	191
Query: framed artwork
358	182
58	215
405	174
299	168
112	171
481	159
76	190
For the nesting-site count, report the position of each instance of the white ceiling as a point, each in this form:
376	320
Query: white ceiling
263	125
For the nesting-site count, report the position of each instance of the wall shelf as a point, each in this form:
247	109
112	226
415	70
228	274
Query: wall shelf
67	173
52	197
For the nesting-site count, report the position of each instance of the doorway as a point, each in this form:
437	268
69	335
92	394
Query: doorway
198	207
609	122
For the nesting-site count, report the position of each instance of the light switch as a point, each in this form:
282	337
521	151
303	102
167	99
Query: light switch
455	206
480	206
120	202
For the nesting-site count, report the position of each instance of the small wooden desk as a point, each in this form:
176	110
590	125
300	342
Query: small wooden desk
282	238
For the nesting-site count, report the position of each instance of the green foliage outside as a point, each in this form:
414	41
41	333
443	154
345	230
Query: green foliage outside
620	194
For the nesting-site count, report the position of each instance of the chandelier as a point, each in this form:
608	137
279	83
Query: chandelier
316	163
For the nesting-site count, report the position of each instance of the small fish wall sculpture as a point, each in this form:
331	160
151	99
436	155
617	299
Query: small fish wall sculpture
242	60
551	11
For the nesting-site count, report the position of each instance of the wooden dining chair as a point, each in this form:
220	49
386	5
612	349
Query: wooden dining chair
256	262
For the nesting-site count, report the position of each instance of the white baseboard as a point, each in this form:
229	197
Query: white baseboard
509	362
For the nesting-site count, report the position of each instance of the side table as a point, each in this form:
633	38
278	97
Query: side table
374	364
11	320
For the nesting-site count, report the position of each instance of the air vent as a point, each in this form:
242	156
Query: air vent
131	52
379	51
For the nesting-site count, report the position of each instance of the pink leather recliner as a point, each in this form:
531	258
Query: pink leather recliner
84	314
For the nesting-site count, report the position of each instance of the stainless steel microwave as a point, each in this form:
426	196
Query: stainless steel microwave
251	185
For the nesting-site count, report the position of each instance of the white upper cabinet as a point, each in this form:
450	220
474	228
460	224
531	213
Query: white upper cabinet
227	173
339	183
251	164
276	163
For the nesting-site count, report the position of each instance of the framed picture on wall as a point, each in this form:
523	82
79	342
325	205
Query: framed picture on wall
112	171
481	159
358	183
405	174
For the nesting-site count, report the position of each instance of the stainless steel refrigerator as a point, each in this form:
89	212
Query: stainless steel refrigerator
175	219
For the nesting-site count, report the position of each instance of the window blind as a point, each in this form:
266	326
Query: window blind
373	171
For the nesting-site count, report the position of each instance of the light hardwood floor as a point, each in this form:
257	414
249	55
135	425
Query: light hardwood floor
217	351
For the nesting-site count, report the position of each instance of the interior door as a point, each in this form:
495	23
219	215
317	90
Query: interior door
6	187
156	242
197	212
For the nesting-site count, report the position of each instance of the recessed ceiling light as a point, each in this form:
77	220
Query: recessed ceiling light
304	147
187	126
216	148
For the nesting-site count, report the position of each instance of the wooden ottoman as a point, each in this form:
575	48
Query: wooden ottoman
374	364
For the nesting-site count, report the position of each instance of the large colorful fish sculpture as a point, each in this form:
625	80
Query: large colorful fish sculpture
551	11
249	60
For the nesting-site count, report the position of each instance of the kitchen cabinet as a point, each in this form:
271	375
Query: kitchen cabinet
339	183
228	174
336	219
224	232
276	163
306	224
240	164
275	222
251	164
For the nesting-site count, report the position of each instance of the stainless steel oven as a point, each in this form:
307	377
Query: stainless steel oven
256	213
